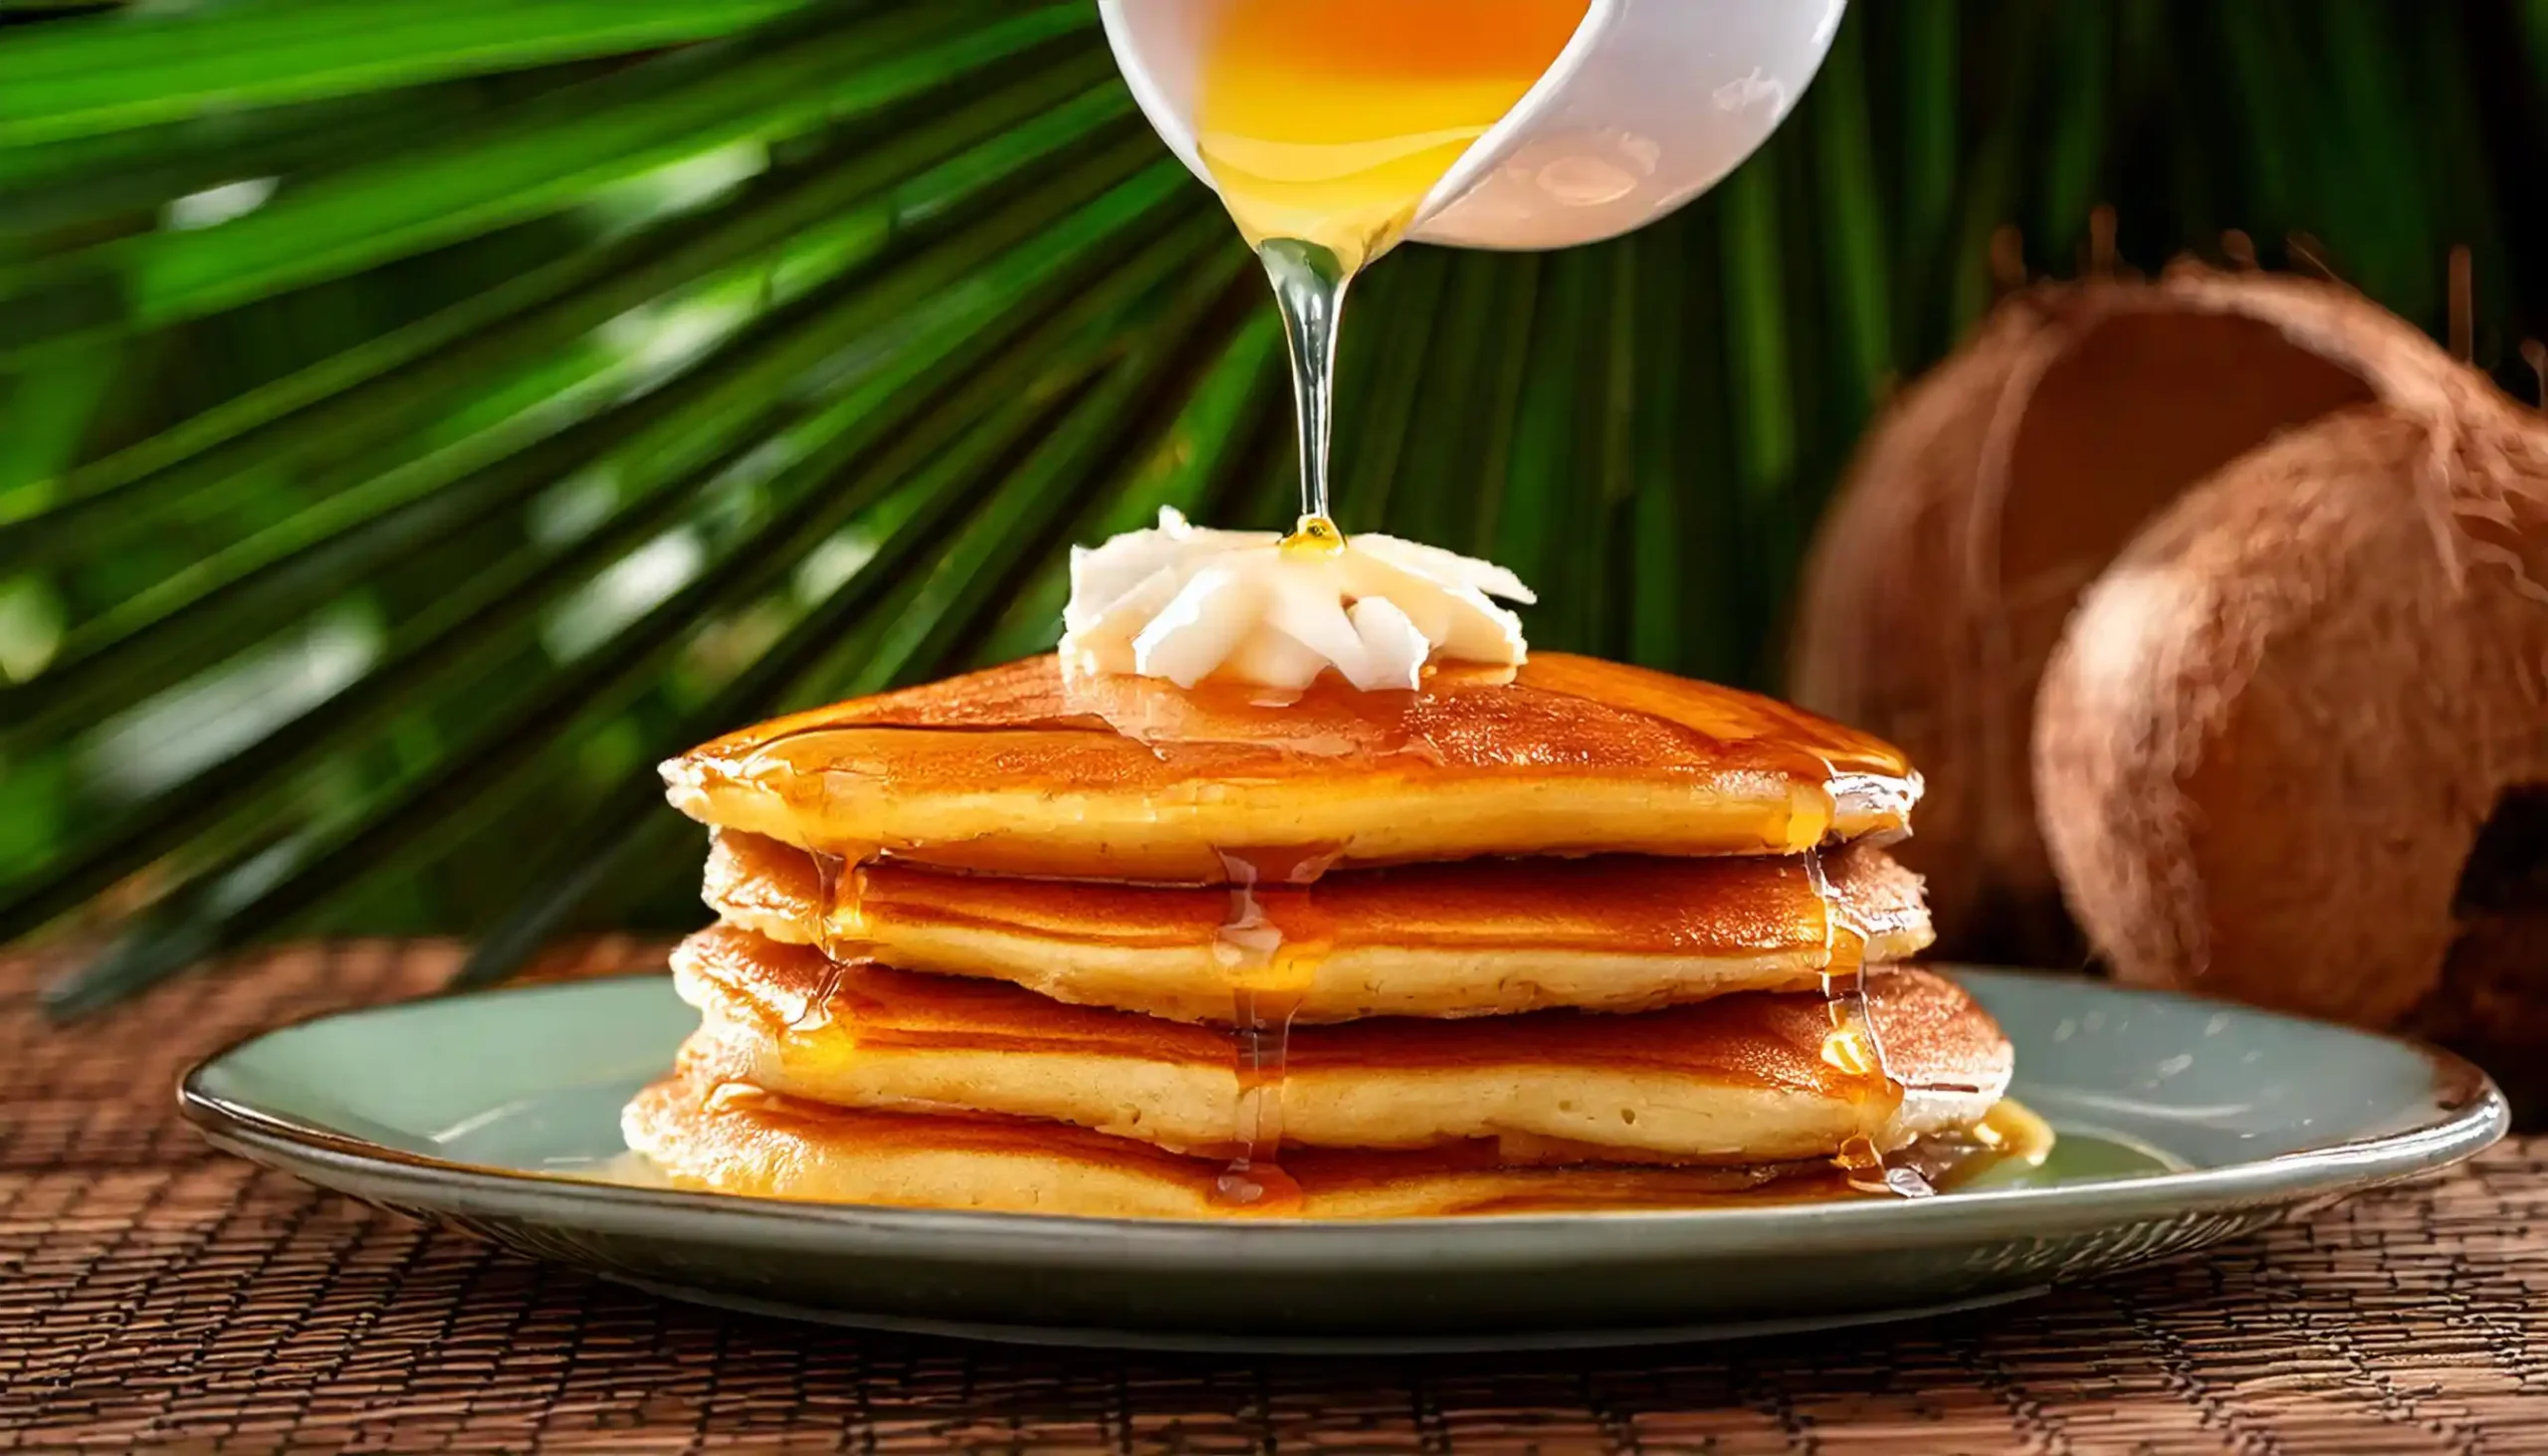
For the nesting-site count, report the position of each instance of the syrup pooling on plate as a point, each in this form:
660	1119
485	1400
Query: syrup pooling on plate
2013	1133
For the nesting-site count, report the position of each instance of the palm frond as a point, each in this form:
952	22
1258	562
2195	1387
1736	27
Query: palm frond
417	417
122	71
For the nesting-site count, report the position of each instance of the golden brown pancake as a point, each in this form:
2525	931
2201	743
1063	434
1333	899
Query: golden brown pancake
1740	1079
1014	771
731	1138
1623	932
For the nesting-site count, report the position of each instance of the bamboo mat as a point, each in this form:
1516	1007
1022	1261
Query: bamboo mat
157	1295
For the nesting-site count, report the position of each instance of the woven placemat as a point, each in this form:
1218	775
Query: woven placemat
155	1295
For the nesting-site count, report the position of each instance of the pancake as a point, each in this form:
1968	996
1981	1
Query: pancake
1740	1079
1013	771
1485	938
731	1138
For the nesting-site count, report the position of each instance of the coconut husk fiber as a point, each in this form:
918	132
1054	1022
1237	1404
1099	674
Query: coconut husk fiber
1988	499
2293	744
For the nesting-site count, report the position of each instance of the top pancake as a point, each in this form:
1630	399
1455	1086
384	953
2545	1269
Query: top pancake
1015	770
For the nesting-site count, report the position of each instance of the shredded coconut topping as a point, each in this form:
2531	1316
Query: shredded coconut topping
1185	603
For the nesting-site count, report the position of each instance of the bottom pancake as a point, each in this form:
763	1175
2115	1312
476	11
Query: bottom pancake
1743	1079
732	1137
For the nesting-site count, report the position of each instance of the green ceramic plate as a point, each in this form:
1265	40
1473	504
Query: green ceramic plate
2183	1123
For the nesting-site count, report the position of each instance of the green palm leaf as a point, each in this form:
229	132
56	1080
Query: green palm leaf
419	416
119	72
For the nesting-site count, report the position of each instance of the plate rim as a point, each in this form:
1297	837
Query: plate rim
1177	1341
2467	1114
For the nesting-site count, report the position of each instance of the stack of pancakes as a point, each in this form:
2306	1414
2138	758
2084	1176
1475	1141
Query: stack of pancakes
1580	934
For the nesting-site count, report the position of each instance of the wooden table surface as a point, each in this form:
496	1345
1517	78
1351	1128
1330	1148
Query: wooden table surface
157	1295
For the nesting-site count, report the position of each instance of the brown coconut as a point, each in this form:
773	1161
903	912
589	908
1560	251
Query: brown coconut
2293	745
1989	496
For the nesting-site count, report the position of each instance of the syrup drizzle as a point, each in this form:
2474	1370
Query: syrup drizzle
1272	945
1834	781
1273	938
832	874
1853	1048
1269	949
1162	717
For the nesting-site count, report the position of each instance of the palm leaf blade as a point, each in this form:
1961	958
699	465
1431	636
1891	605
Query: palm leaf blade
122	71
592	377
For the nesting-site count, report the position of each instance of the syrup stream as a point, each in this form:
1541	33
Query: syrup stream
1309	289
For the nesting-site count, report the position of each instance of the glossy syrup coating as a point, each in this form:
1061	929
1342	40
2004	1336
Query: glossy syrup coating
739	1139
1632	902
1489	936
1024	825
1936	1038
1018	771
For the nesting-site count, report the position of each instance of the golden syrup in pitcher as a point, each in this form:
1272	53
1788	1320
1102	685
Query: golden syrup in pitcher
1325	122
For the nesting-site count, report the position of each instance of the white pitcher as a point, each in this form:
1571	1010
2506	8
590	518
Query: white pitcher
1648	107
